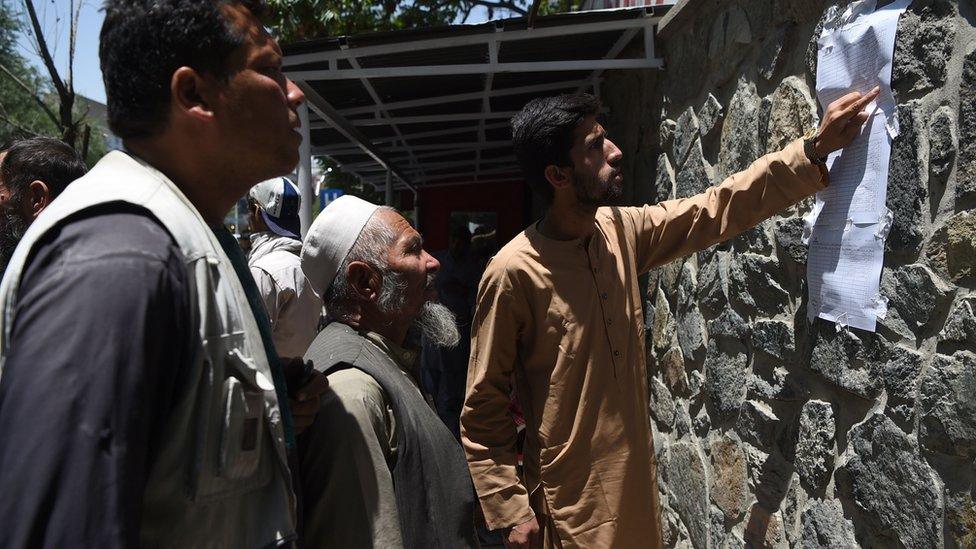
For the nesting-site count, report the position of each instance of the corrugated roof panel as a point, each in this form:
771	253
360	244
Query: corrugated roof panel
564	48
402	89
342	94
459	55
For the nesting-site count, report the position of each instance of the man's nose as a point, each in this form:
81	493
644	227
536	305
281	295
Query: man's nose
615	154
432	264
294	94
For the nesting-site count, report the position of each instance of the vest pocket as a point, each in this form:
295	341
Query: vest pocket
233	455
243	432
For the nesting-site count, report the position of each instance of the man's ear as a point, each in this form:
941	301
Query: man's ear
193	94
38	198
558	177
364	280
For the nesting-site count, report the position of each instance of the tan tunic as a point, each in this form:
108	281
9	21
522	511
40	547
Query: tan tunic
565	320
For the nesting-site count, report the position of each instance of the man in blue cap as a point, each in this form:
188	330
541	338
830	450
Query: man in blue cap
276	245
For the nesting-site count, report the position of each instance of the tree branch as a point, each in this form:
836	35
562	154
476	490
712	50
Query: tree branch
499	5
66	94
43	49
16	125
32	93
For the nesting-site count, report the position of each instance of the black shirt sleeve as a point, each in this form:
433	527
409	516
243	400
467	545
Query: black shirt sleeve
98	350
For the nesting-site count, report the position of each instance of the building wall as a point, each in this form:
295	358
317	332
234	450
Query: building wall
770	430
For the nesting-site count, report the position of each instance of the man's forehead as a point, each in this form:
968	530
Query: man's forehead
250	27
590	127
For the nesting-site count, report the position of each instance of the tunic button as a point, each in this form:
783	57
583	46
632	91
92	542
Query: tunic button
603	295
616	353
609	322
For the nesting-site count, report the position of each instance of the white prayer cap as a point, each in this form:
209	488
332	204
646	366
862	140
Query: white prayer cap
330	238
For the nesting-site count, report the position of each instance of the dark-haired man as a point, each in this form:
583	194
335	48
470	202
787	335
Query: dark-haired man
560	312
141	400
33	172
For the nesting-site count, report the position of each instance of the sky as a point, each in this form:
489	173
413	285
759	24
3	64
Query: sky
88	75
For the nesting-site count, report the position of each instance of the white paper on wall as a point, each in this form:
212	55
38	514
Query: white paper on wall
848	260
849	224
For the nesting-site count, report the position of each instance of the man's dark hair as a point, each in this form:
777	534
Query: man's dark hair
143	42
40	159
542	135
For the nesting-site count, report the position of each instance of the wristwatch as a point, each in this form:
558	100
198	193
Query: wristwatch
810	149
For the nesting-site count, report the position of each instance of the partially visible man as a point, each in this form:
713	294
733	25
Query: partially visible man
141	399
293	308
33	172
444	369
560	313
379	469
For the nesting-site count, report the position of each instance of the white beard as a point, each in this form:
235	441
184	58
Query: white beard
438	325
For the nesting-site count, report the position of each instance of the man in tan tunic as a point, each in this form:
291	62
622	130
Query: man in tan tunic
559	315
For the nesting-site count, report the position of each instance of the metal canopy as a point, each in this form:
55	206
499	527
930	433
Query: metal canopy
431	106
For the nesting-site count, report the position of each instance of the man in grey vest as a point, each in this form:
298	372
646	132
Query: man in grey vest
379	468
141	400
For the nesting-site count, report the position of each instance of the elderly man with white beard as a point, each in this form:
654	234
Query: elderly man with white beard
379	468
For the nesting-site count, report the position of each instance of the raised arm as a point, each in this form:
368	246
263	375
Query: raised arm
674	228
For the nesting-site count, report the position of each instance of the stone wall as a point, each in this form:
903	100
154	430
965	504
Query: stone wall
770	430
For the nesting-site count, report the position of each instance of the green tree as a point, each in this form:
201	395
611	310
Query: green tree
20	86
296	20
32	104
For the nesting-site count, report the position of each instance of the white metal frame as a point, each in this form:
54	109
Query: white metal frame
412	161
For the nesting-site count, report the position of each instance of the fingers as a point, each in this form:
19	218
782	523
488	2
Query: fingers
858	106
845	101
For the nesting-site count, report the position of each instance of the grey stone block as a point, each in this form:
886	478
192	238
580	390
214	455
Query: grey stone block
662	405
825	527
755	282
947	405
756	424
729	491
740	133
769	53
789	238
844	360
908	180
775	338
685	135
815	444
942	143
792	114
710	116
664	180
960	329
725	377
684	472
966	174
713	282
728	324
695	176
915	296
891	484
923	46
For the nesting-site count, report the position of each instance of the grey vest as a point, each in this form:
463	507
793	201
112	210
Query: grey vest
434	494
221	477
